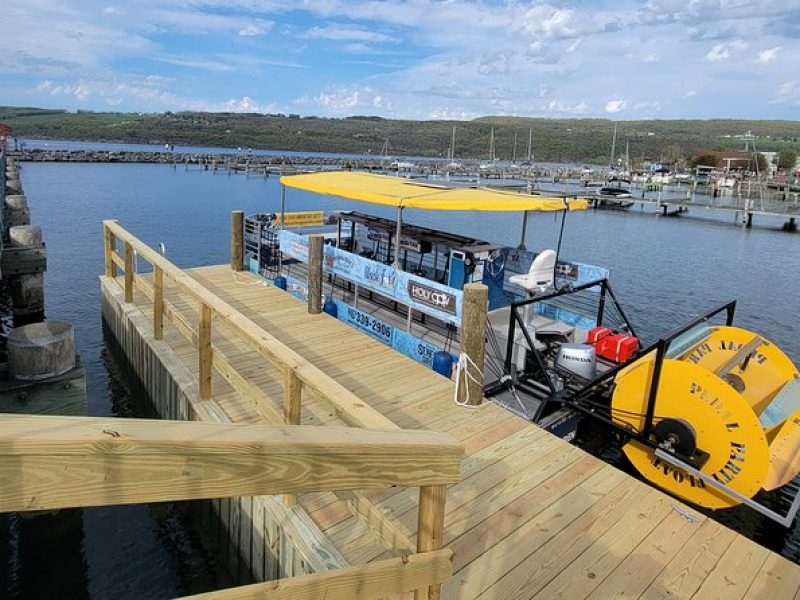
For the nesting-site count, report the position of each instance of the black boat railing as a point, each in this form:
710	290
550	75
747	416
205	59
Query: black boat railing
595	389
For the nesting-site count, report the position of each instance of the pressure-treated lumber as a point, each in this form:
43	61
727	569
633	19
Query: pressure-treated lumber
291	412
204	350
431	529
61	462
315	250
129	272
473	341
344	402
158	303
374	580
237	240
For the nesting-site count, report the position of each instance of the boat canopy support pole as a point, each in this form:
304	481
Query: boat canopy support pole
283	220
396	263
283	205
521	245
560	239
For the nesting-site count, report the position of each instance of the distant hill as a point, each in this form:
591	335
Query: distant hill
580	140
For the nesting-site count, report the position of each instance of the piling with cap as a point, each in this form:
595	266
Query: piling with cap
473	341
41	350
25	236
315	253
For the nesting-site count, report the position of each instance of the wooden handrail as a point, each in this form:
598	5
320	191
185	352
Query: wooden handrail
349	407
376	579
297	373
64	462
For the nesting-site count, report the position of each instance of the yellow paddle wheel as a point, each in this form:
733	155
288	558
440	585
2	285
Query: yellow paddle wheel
724	401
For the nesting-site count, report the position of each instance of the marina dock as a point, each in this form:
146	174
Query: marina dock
532	516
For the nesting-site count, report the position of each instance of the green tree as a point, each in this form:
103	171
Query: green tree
705	159
761	163
787	159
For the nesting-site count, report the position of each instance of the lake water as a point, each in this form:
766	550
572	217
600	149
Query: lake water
664	270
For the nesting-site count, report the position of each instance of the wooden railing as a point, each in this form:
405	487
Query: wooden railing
49	463
297	375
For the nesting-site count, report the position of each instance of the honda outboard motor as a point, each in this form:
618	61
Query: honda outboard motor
578	359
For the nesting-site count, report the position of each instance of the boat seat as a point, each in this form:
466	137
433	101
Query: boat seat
785	402
689	340
541	275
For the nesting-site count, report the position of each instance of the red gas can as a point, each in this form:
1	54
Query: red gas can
618	347
596	334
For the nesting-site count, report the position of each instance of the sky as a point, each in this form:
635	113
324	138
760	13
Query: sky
419	59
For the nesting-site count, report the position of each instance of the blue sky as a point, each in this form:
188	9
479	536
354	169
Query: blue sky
421	59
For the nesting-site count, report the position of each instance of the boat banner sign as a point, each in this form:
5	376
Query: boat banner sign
423	295
386	333
402	341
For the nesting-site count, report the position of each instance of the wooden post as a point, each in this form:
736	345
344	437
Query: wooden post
204	350
128	272
109	247
473	340
315	255
237	240
292	389
430	530
158	302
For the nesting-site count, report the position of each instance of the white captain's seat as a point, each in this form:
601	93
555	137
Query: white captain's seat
540	276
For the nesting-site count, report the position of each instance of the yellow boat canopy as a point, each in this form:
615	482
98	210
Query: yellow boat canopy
405	193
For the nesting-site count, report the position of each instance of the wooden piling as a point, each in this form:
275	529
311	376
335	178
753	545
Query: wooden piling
315	255
237	240
473	341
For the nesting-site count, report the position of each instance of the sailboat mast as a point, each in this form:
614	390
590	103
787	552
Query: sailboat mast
613	146
491	145
453	145
514	151
627	156
530	143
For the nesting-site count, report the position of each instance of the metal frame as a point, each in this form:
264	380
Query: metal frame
594	388
785	520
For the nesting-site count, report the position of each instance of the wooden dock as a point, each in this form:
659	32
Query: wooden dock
532	516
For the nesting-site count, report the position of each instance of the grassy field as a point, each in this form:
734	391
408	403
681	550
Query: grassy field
581	140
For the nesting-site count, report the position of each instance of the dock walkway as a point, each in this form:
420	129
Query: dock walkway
532	517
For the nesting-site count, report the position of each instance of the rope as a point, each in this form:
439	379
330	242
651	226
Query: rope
462	366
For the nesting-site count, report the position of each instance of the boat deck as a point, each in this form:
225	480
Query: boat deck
532	517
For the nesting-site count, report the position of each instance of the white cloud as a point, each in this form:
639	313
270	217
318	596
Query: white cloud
768	56
559	106
153	91
256	29
725	50
442	57
348	100
689	94
788	93
347	34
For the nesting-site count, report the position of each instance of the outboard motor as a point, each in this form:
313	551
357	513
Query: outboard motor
577	359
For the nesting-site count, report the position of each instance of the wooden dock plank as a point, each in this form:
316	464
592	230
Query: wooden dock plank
532	515
735	572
